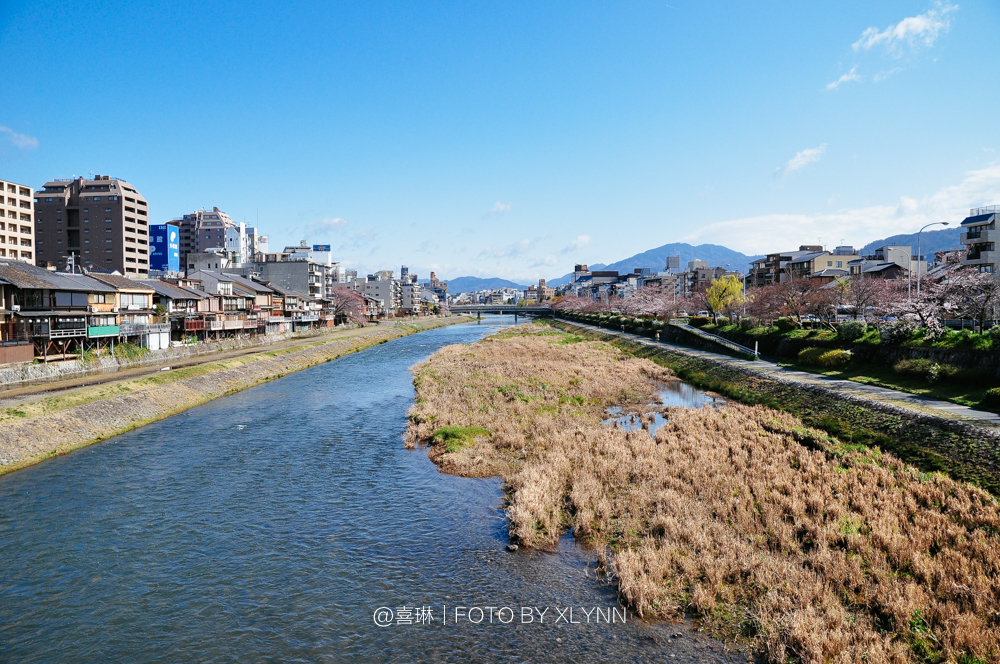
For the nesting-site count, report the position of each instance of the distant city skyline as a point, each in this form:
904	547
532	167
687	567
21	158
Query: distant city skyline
514	141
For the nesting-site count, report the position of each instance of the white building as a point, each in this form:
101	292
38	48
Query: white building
17	222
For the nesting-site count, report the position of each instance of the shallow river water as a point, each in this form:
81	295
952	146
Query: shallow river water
271	525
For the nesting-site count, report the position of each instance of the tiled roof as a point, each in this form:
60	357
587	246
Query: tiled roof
170	290
118	281
25	275
256	286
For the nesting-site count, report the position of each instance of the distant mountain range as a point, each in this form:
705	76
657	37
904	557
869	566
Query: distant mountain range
656	259
472	284
930	241
715	255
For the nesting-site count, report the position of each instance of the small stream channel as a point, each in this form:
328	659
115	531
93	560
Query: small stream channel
272	524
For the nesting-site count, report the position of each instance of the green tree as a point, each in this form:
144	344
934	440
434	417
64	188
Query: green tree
724	294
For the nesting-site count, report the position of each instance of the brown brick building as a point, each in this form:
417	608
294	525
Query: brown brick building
103	223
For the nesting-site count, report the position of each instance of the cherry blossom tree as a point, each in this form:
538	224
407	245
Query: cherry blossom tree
348	306
970	294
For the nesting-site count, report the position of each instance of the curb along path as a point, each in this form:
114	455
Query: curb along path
101	415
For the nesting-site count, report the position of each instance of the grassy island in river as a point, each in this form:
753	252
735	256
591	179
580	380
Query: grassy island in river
805	547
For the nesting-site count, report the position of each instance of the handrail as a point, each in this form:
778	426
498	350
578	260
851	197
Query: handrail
732	345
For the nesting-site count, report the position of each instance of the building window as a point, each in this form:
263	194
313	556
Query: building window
97	198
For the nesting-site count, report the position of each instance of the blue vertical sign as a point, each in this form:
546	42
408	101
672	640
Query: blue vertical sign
164	248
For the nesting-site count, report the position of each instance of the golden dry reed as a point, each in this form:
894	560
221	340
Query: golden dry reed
807	548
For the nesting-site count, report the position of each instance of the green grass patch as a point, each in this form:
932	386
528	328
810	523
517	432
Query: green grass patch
457	438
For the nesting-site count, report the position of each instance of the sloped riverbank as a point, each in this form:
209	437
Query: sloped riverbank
38	430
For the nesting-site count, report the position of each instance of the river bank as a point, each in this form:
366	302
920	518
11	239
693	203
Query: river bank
35	430
798	544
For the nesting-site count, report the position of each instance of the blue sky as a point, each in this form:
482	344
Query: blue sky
514	139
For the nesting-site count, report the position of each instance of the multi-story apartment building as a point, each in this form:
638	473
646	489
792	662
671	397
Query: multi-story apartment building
203	230
103	224
979	236
782	266
303	276
17	222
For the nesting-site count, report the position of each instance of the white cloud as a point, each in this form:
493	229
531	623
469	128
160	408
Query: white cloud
778	232
326	224
497	209
916	31
19	141
580	242
849	76
801	160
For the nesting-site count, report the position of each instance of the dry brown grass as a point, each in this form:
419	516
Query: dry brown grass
811	549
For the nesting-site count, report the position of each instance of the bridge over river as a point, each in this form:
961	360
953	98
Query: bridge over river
501	309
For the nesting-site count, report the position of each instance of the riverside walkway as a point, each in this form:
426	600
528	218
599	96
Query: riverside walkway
896	398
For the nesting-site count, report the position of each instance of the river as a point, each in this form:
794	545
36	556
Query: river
269	526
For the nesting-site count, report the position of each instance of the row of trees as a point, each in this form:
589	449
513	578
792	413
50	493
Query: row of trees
965	294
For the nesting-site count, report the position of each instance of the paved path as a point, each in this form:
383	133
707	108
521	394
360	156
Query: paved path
914	402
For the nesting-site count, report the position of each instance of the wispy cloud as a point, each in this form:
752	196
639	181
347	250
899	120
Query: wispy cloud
359	241
915	32
801	160
857	226
882	75
547	261
580	242
518	248
846	78
498	209
326	225
19	141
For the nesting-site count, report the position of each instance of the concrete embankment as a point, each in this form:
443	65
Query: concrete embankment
36	430
932	443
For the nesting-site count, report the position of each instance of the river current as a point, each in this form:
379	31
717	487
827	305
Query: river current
271	525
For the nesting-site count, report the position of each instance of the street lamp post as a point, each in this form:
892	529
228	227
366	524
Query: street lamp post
910	281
